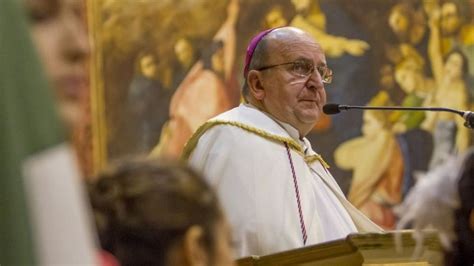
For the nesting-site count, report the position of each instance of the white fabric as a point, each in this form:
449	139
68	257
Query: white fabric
253	178
432	202
62	229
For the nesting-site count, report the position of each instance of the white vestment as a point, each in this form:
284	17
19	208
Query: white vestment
243	154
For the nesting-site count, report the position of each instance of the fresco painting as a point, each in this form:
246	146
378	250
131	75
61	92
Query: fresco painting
162	68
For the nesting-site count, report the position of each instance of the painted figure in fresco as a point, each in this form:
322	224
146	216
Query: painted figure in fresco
457	33
451	88
377	182
211	80
227	35
311	19
409	75
451	92
184	52
388	84
455	30
392	159
408	24
186	56
205	81
147	103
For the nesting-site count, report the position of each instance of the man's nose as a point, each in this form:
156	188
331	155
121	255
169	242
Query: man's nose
315	80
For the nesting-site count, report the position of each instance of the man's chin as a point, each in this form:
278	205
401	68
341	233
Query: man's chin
310	117
308	124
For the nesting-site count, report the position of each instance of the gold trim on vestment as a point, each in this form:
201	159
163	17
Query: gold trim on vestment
192	142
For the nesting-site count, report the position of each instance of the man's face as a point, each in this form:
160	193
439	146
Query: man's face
450	19
290	98
398	22
408	79
454	66
184	52
148	66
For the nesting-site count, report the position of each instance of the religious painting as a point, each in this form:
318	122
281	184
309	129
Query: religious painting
162	68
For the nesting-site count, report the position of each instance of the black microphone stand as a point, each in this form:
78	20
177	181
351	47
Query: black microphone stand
468	116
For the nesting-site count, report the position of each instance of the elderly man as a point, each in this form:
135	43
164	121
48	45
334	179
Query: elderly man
277	192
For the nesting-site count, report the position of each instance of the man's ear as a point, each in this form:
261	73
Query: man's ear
194	251
255	85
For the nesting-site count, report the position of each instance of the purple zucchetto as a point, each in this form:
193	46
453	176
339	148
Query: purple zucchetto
251	48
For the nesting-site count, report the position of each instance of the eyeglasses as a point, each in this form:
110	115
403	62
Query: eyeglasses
304	68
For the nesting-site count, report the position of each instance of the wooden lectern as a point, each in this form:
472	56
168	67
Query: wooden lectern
359	249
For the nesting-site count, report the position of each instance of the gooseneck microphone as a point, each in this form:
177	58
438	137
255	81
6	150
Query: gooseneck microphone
333	108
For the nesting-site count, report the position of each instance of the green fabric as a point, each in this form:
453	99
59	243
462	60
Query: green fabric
412	119
28	124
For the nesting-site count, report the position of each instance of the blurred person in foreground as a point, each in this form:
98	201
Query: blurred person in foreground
443	199
277	191
58	30
153	213
40	184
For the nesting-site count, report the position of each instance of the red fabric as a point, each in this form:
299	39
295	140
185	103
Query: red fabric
107	259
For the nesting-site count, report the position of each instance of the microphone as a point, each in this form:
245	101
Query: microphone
333	108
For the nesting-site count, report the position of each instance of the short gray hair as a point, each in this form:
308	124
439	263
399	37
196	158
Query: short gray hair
259	57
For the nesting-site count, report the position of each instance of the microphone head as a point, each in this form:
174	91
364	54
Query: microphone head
331	109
